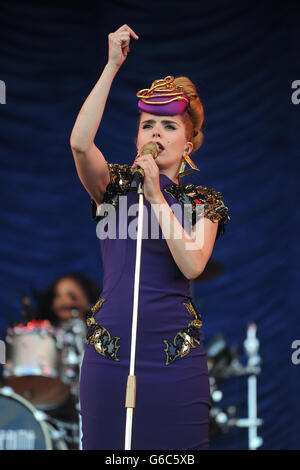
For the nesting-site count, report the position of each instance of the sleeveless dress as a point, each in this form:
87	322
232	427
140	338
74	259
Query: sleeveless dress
172	382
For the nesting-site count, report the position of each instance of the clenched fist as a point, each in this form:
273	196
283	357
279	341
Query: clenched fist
118	45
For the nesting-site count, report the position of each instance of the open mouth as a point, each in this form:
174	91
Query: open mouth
160	147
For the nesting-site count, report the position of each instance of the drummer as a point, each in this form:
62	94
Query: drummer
71	294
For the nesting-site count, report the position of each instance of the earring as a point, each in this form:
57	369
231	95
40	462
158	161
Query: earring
192	167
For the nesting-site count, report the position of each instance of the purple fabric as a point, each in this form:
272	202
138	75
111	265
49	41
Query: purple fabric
168	109
172	401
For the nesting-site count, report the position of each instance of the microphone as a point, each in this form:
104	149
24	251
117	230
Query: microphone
74	310
139	174
28	313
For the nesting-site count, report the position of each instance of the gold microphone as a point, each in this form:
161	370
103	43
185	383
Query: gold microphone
139	174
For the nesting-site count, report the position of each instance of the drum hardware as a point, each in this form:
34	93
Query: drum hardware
74	359
220	358
75	332
58	438
62	430
58	429
223	363
220	420
72	353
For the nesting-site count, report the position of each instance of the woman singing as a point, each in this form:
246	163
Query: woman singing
172	383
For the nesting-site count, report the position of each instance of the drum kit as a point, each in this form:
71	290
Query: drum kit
39	396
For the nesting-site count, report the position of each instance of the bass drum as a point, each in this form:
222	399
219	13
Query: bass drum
23	427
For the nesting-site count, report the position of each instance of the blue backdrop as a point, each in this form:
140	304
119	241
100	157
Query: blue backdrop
243	60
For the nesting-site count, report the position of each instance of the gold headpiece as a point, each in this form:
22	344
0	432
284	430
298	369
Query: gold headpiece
162	88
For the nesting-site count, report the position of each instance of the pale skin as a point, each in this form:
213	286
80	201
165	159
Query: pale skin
93	171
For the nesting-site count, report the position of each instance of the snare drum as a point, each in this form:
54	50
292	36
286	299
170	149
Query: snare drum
34	363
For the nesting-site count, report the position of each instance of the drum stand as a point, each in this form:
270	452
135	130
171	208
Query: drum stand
75	350
252	370
77	329
131	380
251	345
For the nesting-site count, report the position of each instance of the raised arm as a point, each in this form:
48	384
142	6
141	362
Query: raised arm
90	163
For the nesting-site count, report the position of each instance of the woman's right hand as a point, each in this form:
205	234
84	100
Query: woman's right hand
118	45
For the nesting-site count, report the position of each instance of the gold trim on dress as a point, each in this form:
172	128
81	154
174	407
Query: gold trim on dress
99	336
184	339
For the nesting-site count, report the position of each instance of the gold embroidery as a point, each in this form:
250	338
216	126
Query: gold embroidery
97	306
185	338
104	343
212	200
99	336
197	323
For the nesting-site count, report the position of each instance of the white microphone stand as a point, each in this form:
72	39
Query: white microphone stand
131	379
150	147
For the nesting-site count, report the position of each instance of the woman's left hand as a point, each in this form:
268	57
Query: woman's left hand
151	184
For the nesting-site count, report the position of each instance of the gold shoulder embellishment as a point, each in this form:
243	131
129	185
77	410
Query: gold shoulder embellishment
120	184
214	207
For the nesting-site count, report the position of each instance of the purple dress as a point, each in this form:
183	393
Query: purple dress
172	381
